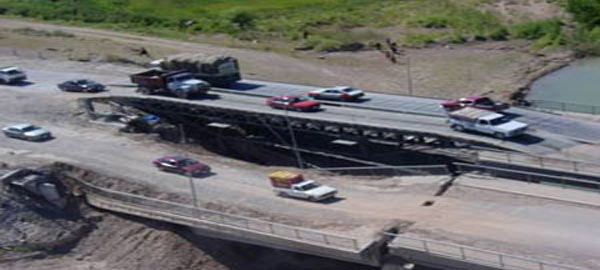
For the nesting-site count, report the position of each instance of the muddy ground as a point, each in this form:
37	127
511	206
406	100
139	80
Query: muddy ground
33	238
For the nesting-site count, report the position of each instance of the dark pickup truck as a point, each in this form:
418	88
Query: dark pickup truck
174	83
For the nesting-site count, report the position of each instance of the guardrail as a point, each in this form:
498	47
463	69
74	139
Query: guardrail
393	170
564	106
171	209
529	177
541	162
474	255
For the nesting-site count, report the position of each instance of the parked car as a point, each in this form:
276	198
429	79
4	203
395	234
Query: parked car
479	102
81	86
342	93
27	132
181	165
294	103
11	74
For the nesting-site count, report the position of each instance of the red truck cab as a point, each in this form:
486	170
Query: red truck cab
479	102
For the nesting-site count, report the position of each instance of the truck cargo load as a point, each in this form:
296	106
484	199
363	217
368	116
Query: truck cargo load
218	70
285	179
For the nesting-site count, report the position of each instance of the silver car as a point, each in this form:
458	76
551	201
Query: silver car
27	132
341	93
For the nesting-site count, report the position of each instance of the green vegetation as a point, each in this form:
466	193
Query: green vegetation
320	24
587	33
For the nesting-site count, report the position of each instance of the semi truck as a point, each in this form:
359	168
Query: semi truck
181	84
488	122
10	75
291	184
218	70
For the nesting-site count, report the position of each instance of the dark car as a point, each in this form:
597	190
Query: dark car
294	103
81	86
479	102
181	165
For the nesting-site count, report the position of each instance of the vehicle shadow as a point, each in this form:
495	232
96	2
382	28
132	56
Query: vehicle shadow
207	175
43	141
243	86
333	200
206	97
523	139
22	84
526	139
512	116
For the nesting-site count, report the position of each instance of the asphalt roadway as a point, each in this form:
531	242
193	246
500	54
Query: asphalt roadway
420	113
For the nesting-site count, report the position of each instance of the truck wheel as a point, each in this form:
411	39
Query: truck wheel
458	127
182	95
144	91
499	135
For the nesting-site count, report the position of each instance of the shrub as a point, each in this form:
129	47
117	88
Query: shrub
586	12
500	33
244	20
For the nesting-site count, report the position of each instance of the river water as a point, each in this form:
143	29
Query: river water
578	83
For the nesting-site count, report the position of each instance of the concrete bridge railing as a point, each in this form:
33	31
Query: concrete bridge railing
188	215
437	252
521	159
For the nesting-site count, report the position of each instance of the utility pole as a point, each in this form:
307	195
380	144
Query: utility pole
190	178
294	143
408	76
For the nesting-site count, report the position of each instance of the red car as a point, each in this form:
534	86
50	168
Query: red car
182	165
479	102
293	103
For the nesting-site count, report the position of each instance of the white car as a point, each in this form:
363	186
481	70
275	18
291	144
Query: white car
341	93
11	74
27	132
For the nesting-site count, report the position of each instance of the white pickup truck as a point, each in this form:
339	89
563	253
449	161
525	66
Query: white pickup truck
483	121
290	184
12	74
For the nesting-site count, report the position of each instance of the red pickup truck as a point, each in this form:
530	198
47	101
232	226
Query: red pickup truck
479	102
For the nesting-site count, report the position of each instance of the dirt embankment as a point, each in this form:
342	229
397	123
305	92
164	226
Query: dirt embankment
498	69
101	240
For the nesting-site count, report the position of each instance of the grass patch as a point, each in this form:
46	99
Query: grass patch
43	33
323	24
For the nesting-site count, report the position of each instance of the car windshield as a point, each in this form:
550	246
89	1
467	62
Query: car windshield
85	82
12	72
309	186
300	99
348	89
187	162
485	102
499	121
29	128
184	78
